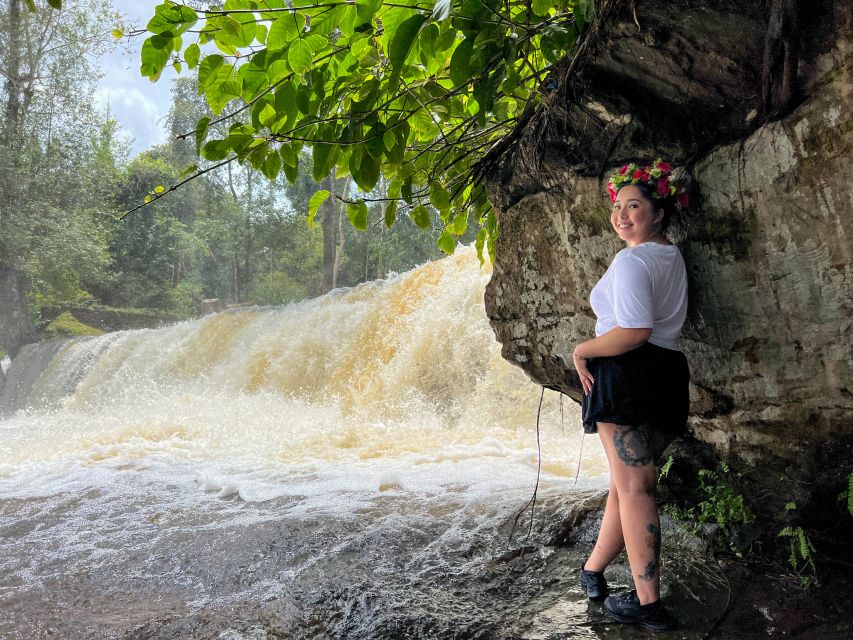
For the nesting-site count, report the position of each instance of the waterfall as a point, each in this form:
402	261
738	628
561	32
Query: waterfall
384	412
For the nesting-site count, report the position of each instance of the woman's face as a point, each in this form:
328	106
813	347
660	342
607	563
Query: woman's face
633	217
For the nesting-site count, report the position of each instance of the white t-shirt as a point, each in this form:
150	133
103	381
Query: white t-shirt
645	287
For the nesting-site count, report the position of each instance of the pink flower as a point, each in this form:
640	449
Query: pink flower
663	187
612	192
664	167
683	199
623	170
640	174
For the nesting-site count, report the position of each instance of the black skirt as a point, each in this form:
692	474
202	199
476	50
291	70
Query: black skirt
646	386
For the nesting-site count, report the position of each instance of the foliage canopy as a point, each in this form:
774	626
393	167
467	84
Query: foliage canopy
410	90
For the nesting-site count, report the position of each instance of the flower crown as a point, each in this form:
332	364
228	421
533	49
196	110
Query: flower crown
656	177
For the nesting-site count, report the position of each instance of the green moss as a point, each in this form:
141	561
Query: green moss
66	325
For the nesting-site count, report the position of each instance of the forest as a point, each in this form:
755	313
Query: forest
67	181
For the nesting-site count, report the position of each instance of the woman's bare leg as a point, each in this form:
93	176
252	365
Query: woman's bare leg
610	541
632	469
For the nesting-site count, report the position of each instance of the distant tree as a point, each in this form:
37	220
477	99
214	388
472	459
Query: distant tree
51	220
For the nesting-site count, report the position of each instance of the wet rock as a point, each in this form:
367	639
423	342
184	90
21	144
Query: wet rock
767	245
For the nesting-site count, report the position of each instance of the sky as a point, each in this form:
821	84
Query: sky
139	105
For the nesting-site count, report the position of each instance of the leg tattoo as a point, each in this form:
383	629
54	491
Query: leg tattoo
632	445
653	541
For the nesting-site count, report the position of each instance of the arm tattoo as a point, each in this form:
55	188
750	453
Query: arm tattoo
653	541
632	445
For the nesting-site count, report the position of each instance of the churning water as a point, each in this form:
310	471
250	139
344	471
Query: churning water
344	467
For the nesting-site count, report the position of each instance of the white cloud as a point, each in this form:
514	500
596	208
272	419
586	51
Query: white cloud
139	105
139	115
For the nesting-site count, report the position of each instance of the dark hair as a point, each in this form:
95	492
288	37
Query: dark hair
658	202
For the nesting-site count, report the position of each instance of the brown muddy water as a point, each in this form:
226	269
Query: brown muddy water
346	467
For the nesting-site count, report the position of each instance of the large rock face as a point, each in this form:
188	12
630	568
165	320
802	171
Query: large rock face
768	247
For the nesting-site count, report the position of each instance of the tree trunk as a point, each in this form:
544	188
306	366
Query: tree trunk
249	245
14	81
16	329
328	222
339	252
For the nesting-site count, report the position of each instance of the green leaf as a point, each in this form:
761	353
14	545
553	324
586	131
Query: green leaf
389	139
56	4
291	173
492	223
289	156
478	244
208	71
272	165
155	55
255	152
190	168
369	172
268	115
173	18
314	203
420	216
365	9
285	30
341	17
299	56
277	71
459	225
540	7
316	42
215	150
460	62
285	100
584	9
117	33
439	196
191	55
229	25
357	214
446	242
254	80
402	41
325	156
391	213
201	131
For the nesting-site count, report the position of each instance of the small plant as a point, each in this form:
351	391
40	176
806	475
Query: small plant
722	506
664	470
802	551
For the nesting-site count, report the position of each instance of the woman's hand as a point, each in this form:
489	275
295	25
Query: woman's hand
583	373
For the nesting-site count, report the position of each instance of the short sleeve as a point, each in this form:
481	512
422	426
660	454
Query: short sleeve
633	304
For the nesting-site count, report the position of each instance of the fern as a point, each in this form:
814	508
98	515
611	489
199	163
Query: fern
664	470
802	552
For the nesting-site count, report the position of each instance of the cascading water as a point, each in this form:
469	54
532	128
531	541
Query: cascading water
343	467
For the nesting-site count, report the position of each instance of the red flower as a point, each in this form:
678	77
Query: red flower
664	167
640	174
612	192
683	199
623	170
663	187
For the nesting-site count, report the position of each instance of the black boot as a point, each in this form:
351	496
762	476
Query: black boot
627	608
594	585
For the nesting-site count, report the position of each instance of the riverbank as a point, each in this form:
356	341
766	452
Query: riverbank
720	596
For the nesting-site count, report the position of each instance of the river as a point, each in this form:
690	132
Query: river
343	467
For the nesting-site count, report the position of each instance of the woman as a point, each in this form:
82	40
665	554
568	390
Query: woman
635	385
